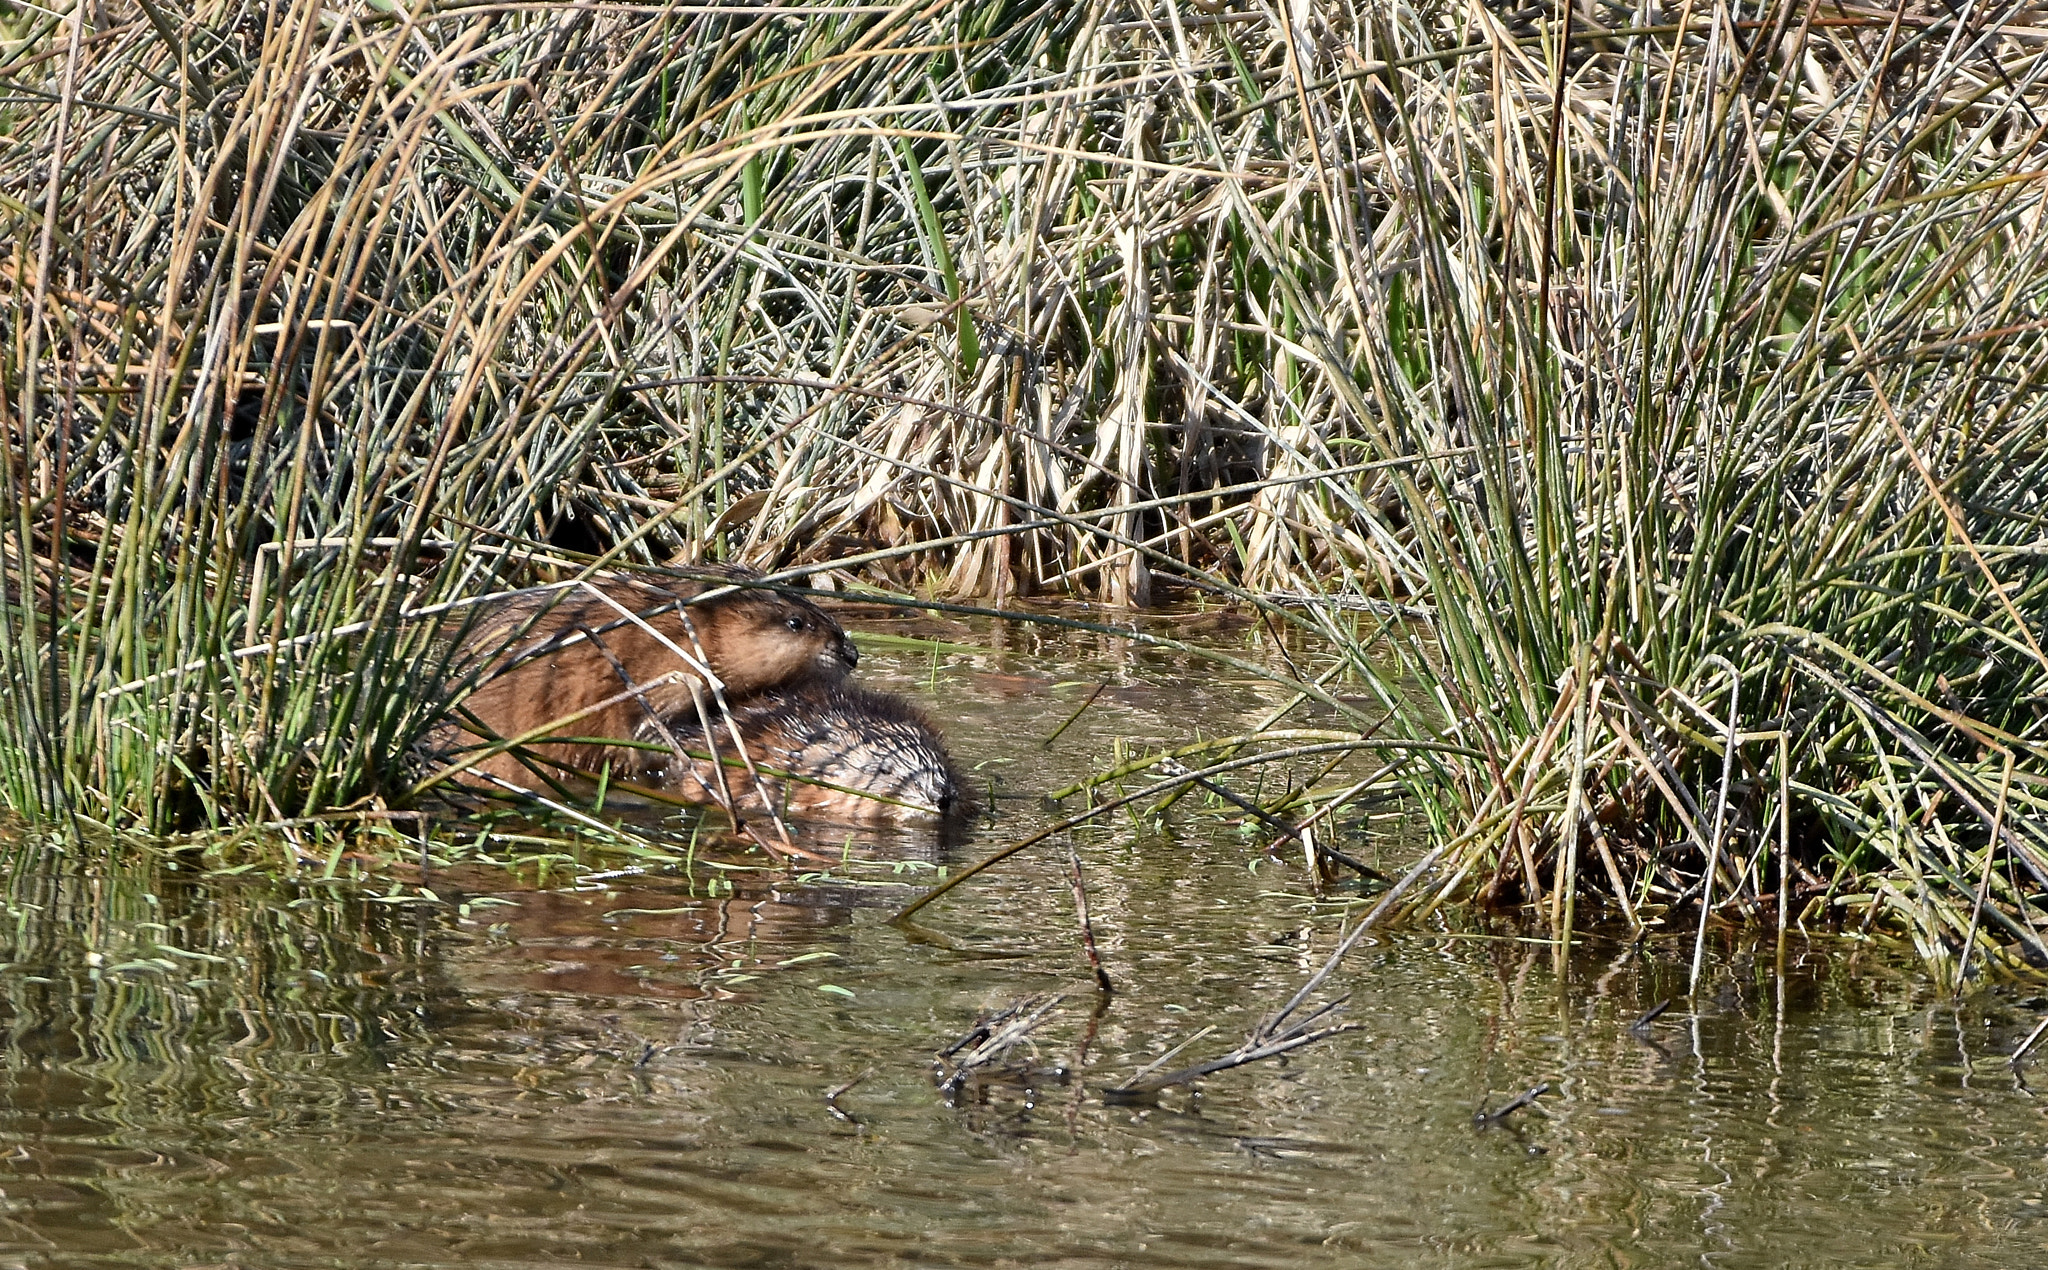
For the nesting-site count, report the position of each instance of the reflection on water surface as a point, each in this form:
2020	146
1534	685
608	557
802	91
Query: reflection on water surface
632	1072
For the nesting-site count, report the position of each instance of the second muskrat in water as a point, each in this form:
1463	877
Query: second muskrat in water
824	749
608	636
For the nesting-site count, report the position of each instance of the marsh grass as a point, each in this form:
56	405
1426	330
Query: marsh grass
1646	399
1741	592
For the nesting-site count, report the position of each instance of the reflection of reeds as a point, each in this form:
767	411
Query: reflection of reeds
122	963
1681	369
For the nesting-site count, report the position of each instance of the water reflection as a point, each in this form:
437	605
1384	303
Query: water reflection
234	1071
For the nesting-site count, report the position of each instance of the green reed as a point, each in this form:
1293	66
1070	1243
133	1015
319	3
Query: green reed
1739	585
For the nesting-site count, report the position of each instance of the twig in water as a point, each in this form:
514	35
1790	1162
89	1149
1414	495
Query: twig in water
1360	867
1484	1119
2033	1039
832	1097
1266	616
1046	744
1642	1025
992	1036
1271	1038
1087	927
1164	1059
1095	1017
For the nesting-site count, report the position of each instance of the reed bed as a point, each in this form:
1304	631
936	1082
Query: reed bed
1645	397
1740	591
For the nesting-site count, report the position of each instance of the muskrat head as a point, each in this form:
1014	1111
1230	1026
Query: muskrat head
753	637
764	639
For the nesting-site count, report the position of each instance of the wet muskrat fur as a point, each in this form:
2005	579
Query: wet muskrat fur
578	656
824	750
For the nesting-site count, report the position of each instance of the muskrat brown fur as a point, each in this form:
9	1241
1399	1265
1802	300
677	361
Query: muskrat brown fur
569	652
884	757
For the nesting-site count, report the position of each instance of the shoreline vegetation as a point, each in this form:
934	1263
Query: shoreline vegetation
1646	400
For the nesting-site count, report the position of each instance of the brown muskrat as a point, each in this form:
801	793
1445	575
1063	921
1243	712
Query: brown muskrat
579	650
825	750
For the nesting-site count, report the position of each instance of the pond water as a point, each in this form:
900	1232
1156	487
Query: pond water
633	1069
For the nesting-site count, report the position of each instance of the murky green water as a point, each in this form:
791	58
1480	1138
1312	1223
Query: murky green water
633	1072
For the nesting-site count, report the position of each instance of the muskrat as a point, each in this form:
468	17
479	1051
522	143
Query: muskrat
580	648
824	749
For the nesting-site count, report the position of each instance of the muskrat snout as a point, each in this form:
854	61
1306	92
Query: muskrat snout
799	639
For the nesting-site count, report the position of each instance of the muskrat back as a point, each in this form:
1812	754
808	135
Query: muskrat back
824	750
578	656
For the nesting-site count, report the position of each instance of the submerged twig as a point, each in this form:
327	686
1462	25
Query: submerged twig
2033	1038
1068	722
991	1037
1649	1016
1270	1039
832	1097
1484	1119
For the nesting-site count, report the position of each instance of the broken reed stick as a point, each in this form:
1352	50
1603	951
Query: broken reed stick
1484	1119
1087	926
992	1036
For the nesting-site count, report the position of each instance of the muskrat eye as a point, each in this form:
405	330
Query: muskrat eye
795	623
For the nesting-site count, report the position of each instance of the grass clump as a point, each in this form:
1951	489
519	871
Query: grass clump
1738	583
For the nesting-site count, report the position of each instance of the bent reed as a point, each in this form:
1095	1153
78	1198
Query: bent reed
1647	399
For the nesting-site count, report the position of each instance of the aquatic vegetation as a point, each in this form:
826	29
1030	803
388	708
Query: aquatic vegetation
1647	402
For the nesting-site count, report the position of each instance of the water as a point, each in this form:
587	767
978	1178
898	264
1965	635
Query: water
207	1071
